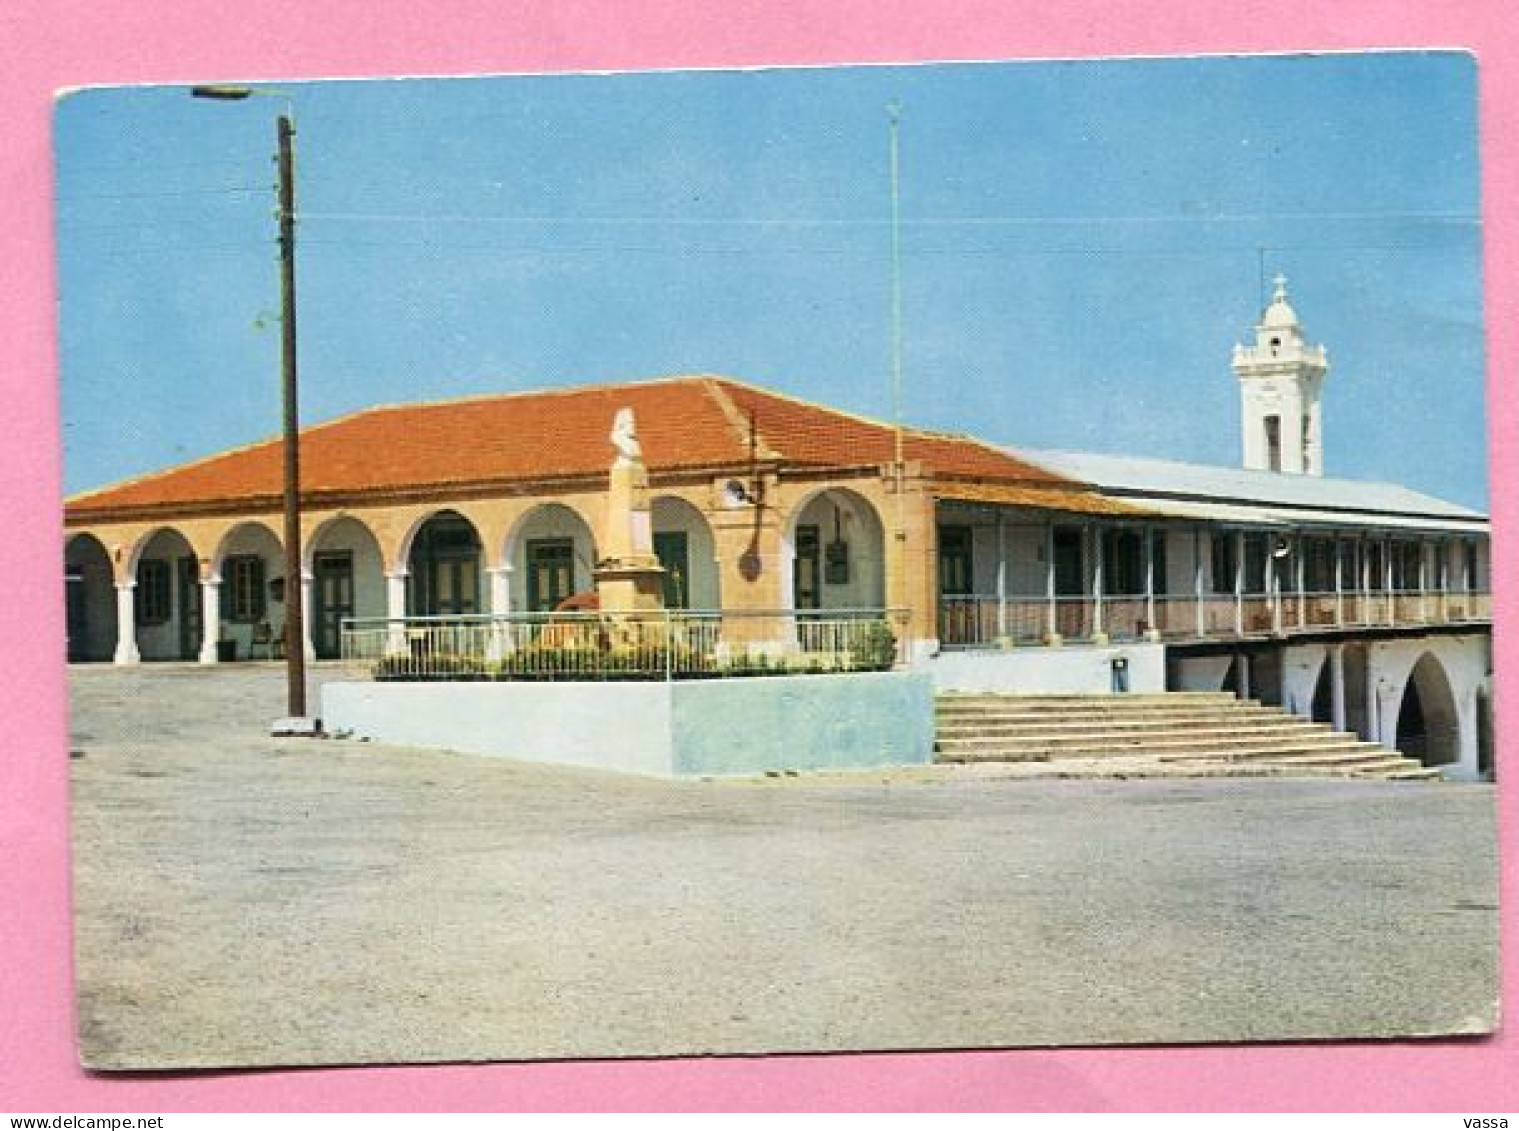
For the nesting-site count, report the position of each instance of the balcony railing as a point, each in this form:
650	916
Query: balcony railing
988	621
664	644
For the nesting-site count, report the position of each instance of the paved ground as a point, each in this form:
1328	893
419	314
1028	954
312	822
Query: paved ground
243	900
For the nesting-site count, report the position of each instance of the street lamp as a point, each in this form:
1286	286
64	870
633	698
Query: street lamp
297	721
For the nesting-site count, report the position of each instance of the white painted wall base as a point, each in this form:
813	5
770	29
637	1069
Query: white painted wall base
687	727
1069	670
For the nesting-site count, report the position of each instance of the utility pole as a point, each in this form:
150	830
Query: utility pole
894	116
295	631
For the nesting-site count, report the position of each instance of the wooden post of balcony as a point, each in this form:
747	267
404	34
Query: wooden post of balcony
1197	580
1239	583
1152	628
1339	583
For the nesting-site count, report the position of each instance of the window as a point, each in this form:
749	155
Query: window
670	547
550	575
1225	561
1274	443
1318	565
1350	565
1257	547
1123	566
1372	561
1470	555
1407	557
153	591
955	577
1070	564
243	600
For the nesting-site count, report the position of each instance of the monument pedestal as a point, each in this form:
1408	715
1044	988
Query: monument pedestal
630	585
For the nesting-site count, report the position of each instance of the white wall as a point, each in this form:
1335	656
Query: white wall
1053	671
1467	662
610	726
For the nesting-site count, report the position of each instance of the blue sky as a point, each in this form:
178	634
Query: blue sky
1082	245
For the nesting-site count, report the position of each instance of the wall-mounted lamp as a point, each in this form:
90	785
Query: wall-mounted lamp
736	494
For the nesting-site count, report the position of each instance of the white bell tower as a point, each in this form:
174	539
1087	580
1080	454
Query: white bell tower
1281	383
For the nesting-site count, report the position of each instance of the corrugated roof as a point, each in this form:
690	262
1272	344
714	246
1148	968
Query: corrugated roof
1042	498
1228	494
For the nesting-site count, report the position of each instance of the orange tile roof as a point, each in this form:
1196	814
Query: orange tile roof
683	423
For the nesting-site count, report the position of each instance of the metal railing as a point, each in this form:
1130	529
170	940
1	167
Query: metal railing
990	621
656	645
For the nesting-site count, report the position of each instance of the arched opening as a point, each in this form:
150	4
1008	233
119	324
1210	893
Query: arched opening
684	545
166	606
252	595
347	580
1322	710
89	600
443	568
1428	728
1234	678
836	549
553	553
1266	677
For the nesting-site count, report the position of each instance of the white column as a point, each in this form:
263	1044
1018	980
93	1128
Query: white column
1366	582
308	649
126	623
395	612
1244	675
500	605
1099	636
210	618
500	589
1423	582
1001	578
1299	575
1053	636
1373	701
1337	686
1466	767
1392	601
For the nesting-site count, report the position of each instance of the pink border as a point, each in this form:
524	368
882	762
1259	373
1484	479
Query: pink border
56	43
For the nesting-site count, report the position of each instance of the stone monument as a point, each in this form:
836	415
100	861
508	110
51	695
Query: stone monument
628	577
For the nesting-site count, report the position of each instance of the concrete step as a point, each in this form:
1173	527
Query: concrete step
1197	751
1186	714
1141	738
1207	730
1339	745
1095	704
1056	729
